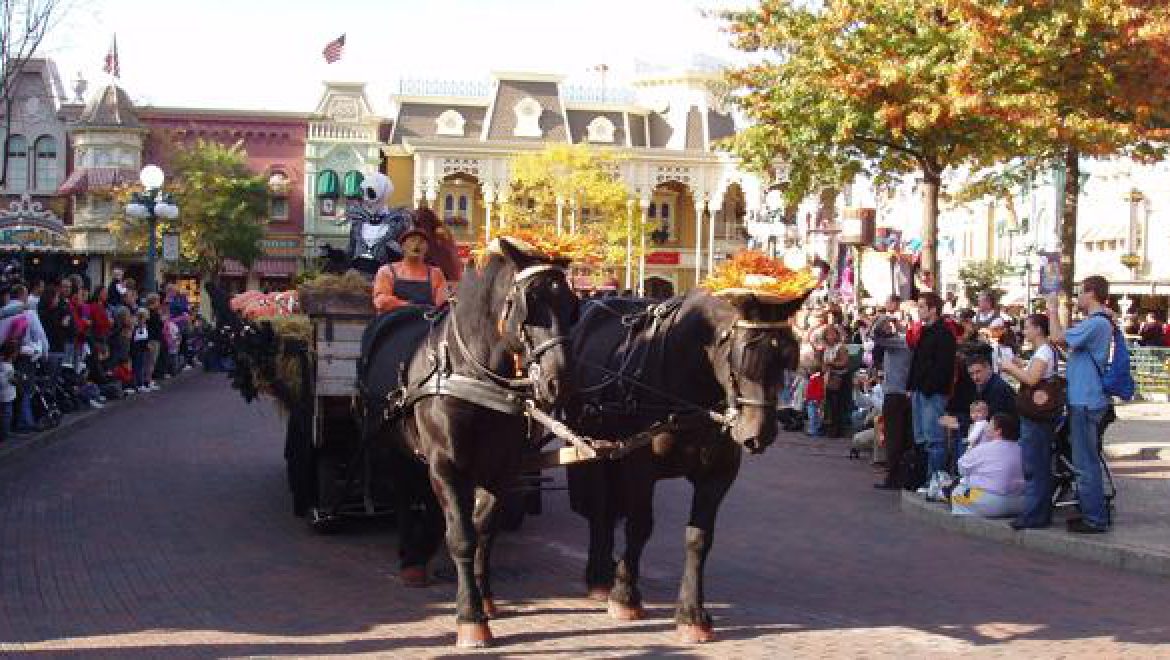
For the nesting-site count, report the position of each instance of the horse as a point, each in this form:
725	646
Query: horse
695	379
443	389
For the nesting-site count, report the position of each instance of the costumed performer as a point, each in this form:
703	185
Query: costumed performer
375	230
411	281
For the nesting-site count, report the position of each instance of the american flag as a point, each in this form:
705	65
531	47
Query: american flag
333	49
112	67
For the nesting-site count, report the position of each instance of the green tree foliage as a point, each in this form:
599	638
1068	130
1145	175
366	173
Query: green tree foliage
865	85
223	205
980	276
582	177
1070	78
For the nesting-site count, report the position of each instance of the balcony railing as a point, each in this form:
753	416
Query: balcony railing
342	132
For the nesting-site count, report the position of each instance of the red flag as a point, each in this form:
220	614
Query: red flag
333	49
112	67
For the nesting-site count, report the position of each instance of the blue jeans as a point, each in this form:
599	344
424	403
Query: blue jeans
1084	431
926	410
1036	452
5	420
813	409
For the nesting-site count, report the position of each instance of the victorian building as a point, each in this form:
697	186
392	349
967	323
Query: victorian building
449	144
33	216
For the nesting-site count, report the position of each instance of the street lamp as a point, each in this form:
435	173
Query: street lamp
150	205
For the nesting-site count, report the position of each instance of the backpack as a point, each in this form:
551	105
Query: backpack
1116	377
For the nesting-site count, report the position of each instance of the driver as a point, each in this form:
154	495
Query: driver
411	281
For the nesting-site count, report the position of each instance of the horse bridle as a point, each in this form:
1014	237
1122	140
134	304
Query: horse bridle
518	292
736	400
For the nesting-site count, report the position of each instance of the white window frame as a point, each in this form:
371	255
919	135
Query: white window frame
601	129
16	183
450	124
51	178
528	112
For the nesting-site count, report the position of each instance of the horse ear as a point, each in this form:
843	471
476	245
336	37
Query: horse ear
512	253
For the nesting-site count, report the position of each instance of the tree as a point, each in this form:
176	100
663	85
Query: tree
23	26
222	205
1072	78
861	85
583	178
983	276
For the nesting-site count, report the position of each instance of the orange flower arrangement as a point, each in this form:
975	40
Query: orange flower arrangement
758	273
574	247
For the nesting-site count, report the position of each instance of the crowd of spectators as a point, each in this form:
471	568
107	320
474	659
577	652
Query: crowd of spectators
932	388
65	345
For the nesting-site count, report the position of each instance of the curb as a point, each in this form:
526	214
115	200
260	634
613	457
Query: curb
1143	454
15	451
1126	558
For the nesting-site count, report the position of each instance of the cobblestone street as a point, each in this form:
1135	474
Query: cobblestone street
163	530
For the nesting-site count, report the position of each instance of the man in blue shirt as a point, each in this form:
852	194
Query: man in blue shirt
1088	345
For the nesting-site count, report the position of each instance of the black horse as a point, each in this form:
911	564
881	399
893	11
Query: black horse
444	388
661	372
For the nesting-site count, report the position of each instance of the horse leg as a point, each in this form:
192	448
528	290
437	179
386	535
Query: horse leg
625	600
599	569
412	495
457	494
486	518
692	621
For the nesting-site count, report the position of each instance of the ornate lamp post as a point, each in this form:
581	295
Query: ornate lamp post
1132	259
150	205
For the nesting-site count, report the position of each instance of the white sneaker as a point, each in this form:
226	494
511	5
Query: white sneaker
94	403
143	388
129	390
186	367
153	387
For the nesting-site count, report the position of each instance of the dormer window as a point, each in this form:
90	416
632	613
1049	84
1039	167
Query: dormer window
601	129
450	123
528	113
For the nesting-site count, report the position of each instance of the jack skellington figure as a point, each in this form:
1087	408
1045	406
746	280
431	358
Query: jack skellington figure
374	227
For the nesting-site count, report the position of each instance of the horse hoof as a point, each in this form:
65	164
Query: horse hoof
599	594
413	576
695	633
473	636
626	612
489	608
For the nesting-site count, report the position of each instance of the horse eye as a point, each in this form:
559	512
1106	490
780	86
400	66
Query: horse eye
775	343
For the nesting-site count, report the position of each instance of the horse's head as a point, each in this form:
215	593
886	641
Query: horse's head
537	313
754	345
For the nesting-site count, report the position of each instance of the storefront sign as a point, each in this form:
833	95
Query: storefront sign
857	226
282	246
170	246
663	258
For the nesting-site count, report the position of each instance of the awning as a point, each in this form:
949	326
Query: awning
352	185
327	184
96	178
275	267
233	268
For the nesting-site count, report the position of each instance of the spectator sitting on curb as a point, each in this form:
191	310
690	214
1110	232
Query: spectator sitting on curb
984	385
992	472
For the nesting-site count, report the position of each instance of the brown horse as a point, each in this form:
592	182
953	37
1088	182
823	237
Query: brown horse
662	371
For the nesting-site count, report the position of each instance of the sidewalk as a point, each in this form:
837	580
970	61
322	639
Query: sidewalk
19	445
1138	448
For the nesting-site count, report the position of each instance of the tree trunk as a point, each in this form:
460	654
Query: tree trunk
932	184
1068	226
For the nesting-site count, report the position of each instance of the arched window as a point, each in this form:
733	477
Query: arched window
45	172
449	204
652	211
463	205
17	174
665	211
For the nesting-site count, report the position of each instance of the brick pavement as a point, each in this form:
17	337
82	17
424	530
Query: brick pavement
164	531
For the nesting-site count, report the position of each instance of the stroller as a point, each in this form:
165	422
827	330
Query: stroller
1064	472
35	380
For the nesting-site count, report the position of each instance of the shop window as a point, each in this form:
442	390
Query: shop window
278	208
17	174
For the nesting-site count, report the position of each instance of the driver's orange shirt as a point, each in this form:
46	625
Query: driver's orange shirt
384	298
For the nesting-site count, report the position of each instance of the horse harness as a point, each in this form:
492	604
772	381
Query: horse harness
651	328
483	387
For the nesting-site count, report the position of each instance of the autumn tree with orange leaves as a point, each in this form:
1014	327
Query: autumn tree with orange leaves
892	87
1070	78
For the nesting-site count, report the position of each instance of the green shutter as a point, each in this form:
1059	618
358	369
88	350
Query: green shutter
327	184
352	187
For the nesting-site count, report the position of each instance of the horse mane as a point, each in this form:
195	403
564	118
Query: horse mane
479	296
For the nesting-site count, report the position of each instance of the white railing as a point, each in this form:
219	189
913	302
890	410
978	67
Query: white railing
341	132
459	88
585	94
